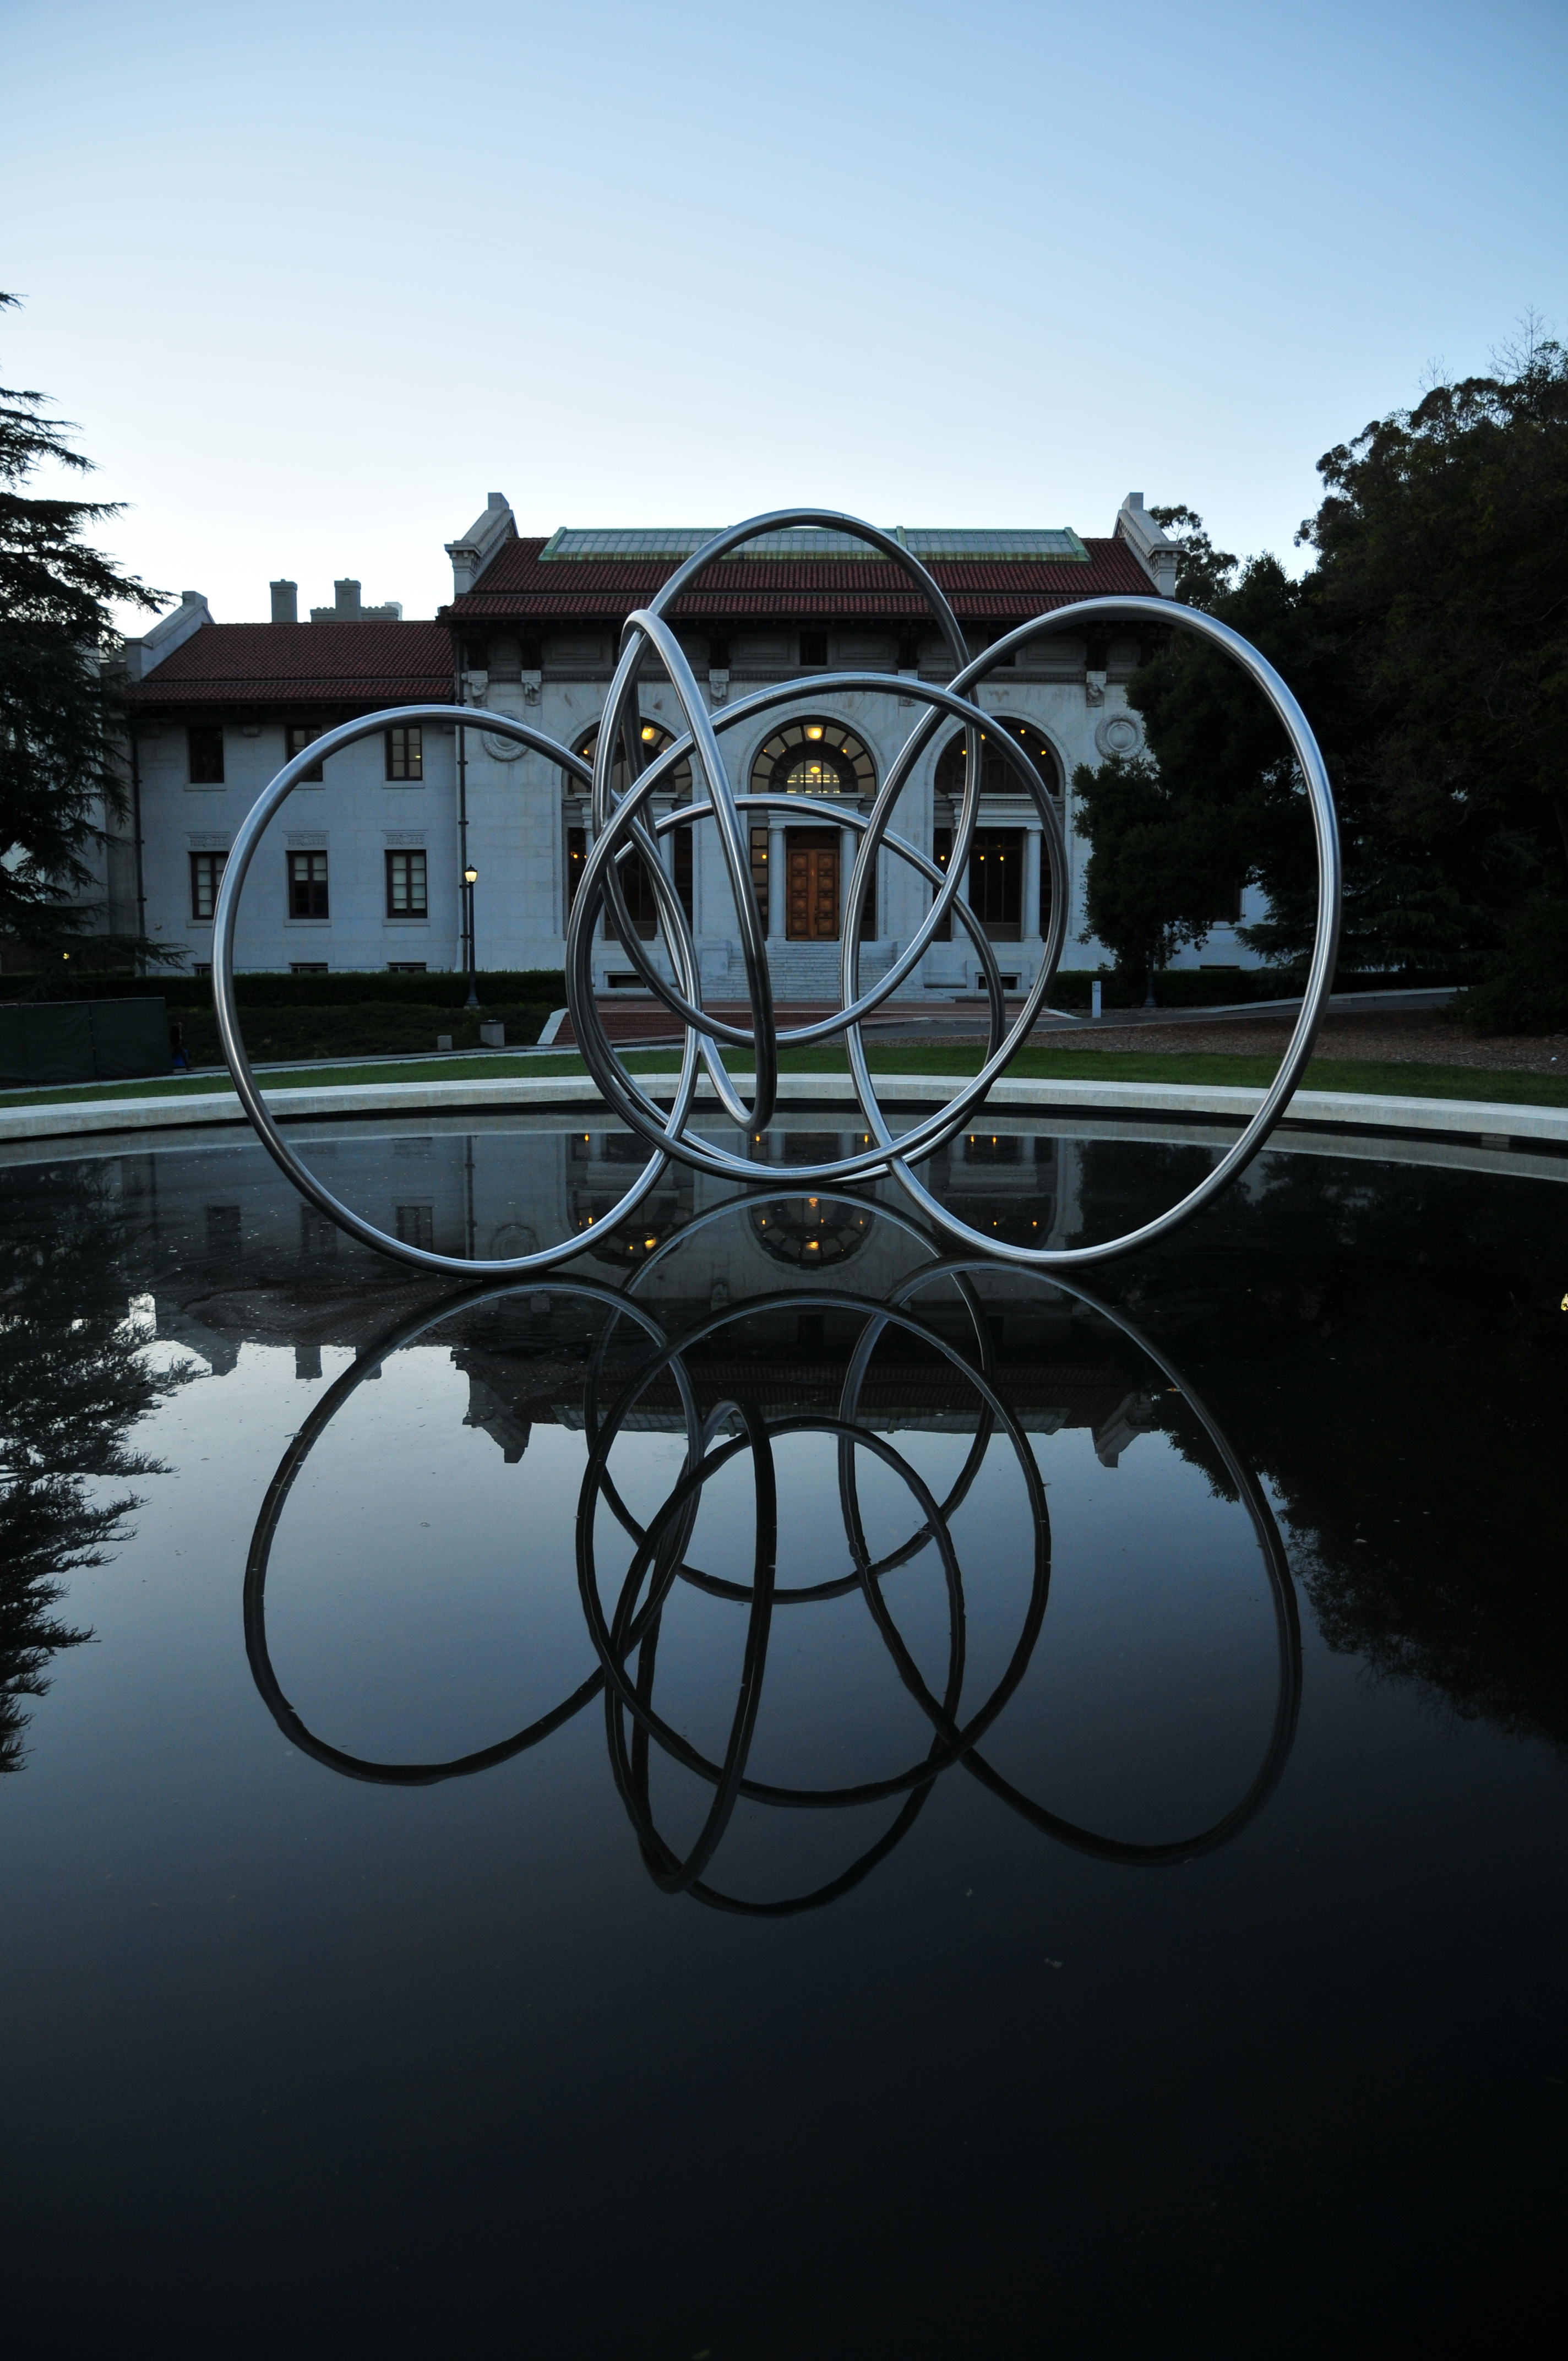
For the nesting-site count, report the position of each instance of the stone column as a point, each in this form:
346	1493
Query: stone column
1030	929
776	882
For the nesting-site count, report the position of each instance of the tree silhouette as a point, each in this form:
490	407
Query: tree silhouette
73	1377
1382	1345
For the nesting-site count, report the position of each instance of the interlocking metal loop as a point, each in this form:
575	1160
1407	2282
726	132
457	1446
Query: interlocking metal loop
625	826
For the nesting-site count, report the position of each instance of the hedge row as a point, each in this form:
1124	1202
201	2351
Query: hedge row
269	991
1173	987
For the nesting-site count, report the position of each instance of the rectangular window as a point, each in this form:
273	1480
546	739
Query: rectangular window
908	656
205	744
997	882
576	861
406	967
406	885
640	908
405	752
813	647
416	1226
717	655
297	736
941	853
681	867
760	874
309	967
307	886
206	868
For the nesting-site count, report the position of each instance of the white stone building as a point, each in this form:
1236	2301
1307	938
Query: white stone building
365	869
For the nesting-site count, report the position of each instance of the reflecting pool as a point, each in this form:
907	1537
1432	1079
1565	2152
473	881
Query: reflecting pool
782	1792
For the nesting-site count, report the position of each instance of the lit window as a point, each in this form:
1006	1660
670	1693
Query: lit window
815	778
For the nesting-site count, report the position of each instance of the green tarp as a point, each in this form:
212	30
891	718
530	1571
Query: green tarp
80	1042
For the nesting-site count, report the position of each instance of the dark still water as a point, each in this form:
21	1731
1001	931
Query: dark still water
774	1796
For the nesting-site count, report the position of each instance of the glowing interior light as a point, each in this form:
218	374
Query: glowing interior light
814	728
649	733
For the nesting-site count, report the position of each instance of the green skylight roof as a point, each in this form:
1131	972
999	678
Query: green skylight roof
808	545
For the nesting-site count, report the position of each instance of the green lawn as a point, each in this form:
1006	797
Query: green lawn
1352	1074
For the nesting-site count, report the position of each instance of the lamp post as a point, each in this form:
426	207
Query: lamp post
470	879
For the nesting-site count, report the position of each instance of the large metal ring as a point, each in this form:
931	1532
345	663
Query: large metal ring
624	826
226	912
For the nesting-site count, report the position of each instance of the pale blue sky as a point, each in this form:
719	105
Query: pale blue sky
315	279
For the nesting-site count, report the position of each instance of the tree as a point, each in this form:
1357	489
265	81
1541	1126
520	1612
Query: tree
1442	547
1429	648
1160	868
74	1378
61	774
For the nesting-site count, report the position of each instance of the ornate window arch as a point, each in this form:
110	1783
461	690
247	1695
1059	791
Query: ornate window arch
813	756
997	776
655	738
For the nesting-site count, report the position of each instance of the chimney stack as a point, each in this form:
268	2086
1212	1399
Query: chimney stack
285	602
346	598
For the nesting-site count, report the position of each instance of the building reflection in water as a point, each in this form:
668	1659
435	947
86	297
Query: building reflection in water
902	1340
1409	1428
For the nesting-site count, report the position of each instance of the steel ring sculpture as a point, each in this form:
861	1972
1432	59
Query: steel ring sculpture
623	824
624	1635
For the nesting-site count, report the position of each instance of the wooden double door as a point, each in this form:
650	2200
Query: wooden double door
812	878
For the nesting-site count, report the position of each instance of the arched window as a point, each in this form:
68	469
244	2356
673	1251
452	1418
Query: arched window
813	757
654	739
997	776
634	878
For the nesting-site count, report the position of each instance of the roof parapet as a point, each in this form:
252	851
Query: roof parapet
494	526
1153	547
171	631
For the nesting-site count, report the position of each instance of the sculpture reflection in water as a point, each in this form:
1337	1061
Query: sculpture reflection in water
739	1425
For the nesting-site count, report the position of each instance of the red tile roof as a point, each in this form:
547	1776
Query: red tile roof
515	588
303	665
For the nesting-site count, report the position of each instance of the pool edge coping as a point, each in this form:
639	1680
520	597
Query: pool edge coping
1494	1122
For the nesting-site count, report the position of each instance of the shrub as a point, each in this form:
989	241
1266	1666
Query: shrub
1525	990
